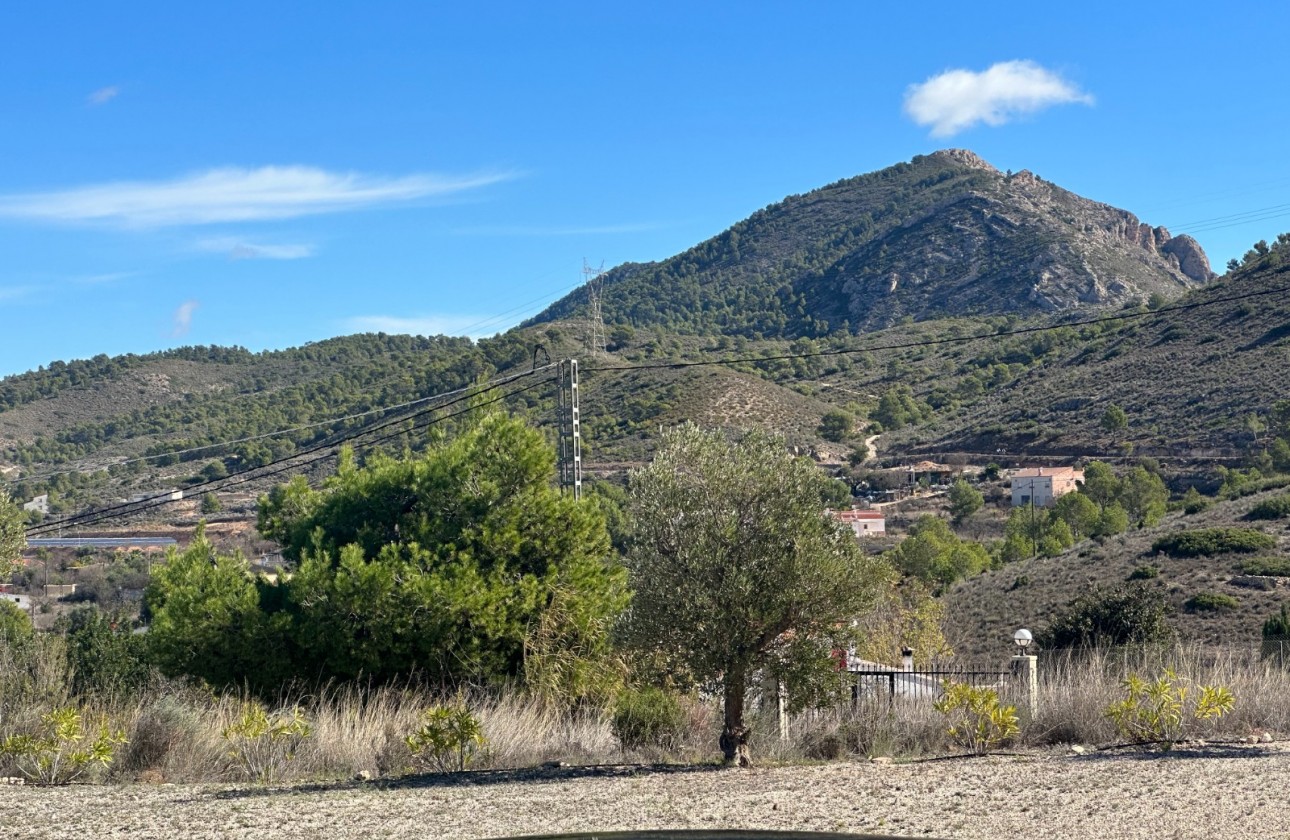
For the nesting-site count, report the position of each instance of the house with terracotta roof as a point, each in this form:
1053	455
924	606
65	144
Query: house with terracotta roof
865	523
1041	486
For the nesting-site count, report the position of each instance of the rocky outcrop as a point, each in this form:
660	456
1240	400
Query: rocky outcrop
1191	257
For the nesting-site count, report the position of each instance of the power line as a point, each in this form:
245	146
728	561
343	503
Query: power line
931	342
248	439
118	511
474	391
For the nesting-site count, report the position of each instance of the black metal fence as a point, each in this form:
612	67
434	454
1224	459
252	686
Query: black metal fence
893	686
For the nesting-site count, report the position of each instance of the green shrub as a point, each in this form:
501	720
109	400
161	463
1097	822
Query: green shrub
64	750
978	722
449	739
262	744
1204	542
1193	502
1159	712
648	717
1144	573
1274	508
1210	602
1278	626
1130	614
1271	566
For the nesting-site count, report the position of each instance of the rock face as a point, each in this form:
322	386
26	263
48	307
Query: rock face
945	234
1191	257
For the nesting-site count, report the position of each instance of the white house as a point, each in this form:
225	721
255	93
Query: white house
21	601
865	523
40	504
1040	486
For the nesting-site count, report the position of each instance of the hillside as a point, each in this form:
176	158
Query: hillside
987	608
1189	380
946	234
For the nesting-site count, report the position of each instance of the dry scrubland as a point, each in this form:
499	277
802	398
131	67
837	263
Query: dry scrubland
175	778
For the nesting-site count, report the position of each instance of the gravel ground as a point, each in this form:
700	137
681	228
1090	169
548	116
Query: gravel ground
1214	792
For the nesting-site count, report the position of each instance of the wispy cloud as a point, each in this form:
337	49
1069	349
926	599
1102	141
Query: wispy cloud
234	195
10	293
540	230
104	95
415	325
959	99
182	320
239	249
102	279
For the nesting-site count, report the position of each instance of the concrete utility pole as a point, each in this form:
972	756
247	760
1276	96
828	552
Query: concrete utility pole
570	438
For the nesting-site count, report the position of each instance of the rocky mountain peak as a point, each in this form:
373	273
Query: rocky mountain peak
964	157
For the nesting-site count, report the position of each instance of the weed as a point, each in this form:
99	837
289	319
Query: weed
979	722
64	751
261	744
1158	712
448	739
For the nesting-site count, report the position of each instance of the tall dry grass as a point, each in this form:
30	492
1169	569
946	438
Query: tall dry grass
1076	687
175	731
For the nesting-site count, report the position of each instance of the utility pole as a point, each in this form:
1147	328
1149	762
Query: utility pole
570	436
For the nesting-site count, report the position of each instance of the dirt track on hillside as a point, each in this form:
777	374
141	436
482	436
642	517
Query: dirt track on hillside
1216	792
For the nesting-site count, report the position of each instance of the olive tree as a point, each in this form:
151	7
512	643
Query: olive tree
13	536
736	569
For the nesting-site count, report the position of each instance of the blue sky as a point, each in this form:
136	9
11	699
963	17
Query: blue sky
269	174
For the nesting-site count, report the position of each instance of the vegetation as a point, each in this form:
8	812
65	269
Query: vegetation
980	722
464	564
262	744
735	570
1274	508
648	717
1211	602
965	500
1278	626
63	749
1270	566
934	555
13	537
1131	614
1204	542
1159	712
449	739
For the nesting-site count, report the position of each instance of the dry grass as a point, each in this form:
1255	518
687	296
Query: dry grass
175	731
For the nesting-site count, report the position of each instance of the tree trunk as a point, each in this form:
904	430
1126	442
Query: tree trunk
734	737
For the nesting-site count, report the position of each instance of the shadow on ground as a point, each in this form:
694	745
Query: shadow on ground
1180	752
470	778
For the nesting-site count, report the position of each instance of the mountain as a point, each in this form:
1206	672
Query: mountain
945	234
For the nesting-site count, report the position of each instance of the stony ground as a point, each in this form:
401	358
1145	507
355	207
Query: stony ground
1227	792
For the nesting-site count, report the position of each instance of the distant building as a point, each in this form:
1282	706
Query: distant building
156	495
865	523
21	601
39	504
1041	486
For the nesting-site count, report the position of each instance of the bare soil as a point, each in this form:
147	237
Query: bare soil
1215	791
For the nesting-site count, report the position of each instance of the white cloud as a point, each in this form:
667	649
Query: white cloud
958	99
238	249
182	320
415	325
103	96
233	195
